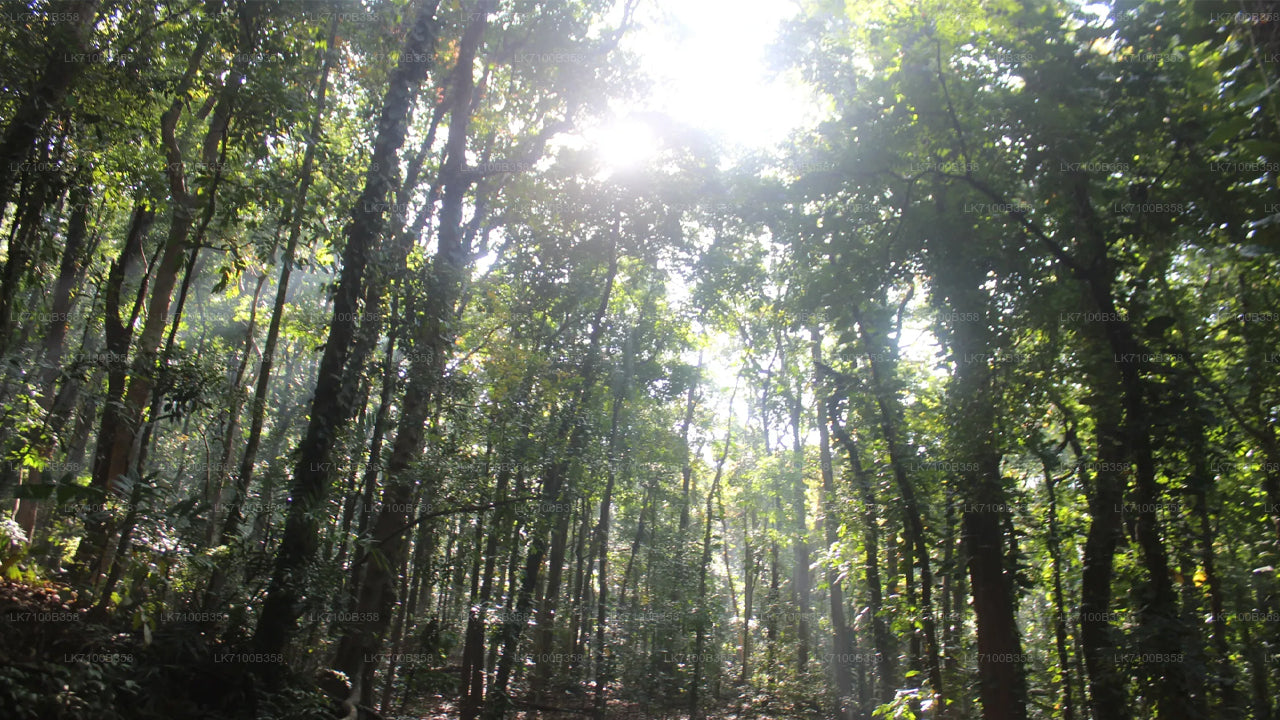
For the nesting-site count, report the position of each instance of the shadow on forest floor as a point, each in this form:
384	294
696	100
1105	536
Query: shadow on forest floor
57	664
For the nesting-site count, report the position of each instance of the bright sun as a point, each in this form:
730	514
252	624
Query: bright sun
623	144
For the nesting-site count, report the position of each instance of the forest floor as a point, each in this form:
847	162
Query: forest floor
444	709
58	664
754	707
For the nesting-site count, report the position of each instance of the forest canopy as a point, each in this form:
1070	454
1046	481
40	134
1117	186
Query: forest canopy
415	359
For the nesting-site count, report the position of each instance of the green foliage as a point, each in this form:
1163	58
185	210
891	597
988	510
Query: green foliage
986	181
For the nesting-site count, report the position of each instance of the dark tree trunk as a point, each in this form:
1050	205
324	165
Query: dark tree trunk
71	272
293	217
750	573
800	544
1059	597
497	701
1107	689
601	659
125	448
61	70
1159	616
888	403
557	477
429	354
882	640
973	391
118	335
331	407
842	640
24	241
702	619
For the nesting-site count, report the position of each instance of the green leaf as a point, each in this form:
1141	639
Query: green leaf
1228	130
40	491
1254	94
1261	148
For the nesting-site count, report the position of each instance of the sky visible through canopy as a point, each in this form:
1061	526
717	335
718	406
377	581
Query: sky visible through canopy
709	60
709	64
711	68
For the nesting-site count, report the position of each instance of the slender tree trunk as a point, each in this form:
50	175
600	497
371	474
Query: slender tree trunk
703	619
1059	599
62	68
1159	616
601	669
560	468
686	469
973	418
473	649
124	433
1107	690
1260	660
504	529
294	215
72	373
430	351
800	543
603	661
947	580
1200	482
70	275
497	702
331	407
584	563
231	436
402	620
750	573
118	334
71	271
186	207
886	653
641	534
841	641
890	413
25	240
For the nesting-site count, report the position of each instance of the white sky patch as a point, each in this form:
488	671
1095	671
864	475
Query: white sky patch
721	365
918	344
709	63
622	144
626	143
709	66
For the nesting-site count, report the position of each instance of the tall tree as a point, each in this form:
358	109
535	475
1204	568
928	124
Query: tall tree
331	407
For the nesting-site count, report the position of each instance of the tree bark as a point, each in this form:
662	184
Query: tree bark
888	403
601	669
841	640
703	619
959	275
294	215
882	640
800	543
429	353
186	207
574	449
118	334
331	406
1108	694
62	68
71	272
1059	597
497	702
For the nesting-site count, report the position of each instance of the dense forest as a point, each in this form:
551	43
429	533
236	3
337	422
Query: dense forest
342	374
